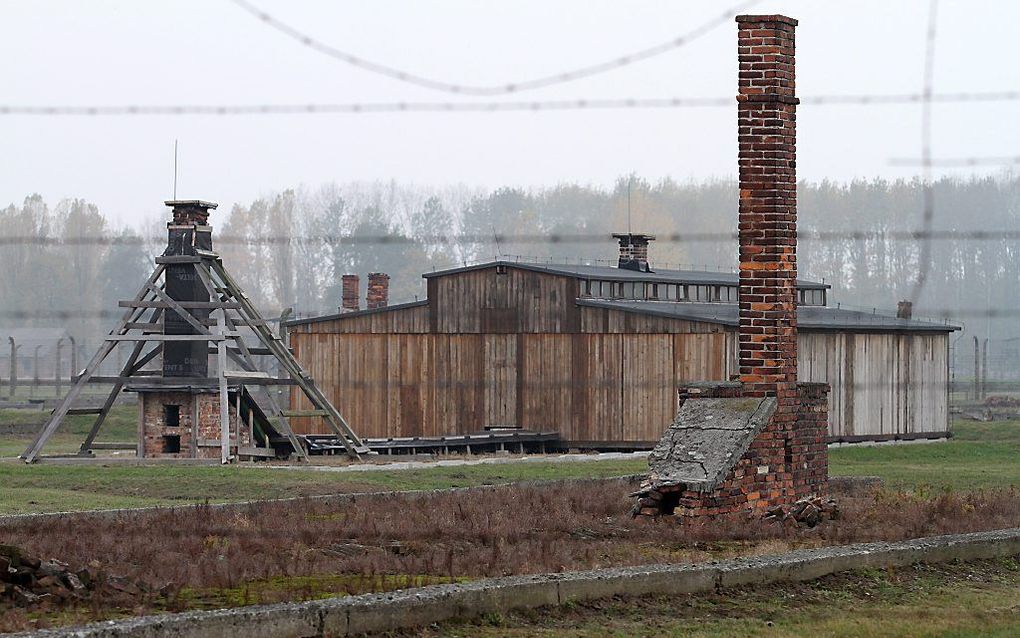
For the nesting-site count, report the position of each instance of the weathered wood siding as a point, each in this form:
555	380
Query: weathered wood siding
513	348
589	387
486	301
882	384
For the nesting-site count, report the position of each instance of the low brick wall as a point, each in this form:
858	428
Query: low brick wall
355	615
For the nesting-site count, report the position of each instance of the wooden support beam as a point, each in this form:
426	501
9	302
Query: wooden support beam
209	337
178	259
352	443
74	411
246	374
221	363
184	304
206	273
305	413
33	450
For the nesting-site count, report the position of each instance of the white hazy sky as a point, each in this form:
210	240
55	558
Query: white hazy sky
70	52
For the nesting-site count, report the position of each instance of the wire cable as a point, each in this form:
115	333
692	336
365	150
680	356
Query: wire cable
499	89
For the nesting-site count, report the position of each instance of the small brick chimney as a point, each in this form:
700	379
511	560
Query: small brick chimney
190	212
378	290
767	230
349	293
634	251
904	310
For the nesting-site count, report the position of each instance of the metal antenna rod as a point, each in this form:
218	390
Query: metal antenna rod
175	170
630	180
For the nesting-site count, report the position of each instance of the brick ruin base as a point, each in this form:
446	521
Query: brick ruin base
786	461
197	434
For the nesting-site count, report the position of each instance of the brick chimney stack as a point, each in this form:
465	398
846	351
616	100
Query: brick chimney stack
904	310
634	251
378	290
190	212
767	121
187	232
349	293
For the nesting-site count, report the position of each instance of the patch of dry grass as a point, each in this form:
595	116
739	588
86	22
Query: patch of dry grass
201	554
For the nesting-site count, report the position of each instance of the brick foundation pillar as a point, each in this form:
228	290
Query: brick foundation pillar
767	120
349	293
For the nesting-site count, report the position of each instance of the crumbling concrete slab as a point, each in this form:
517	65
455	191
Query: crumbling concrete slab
706	439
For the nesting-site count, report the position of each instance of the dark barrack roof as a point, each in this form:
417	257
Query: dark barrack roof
808	317
663	275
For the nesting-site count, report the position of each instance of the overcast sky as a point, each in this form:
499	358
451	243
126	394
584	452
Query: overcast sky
69	52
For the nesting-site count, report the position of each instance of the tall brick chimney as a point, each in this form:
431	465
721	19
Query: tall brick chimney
349	293
634	251
767	121
378	290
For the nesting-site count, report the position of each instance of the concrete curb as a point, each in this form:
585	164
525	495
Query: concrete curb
355	615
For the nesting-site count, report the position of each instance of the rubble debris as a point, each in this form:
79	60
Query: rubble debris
807	512
1002	401
27	581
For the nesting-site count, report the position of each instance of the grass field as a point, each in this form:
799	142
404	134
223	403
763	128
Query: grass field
121	425
982	455
961	600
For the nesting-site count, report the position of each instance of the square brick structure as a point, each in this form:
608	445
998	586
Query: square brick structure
186	425
758	442
180	418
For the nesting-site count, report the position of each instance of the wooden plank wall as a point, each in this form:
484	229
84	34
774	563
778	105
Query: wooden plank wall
485	301
881	383
589	387
514	349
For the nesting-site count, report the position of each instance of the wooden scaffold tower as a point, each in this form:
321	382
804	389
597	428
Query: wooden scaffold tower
188	309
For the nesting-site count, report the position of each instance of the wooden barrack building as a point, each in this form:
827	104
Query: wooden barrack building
597	353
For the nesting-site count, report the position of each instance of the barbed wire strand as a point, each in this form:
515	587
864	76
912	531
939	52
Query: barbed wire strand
498	89
522	238
578	104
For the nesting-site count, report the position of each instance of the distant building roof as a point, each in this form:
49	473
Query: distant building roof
808	317
355	313
696	277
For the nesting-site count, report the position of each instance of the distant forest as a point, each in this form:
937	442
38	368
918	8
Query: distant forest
62	278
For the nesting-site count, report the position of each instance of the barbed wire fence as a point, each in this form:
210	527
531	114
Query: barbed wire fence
926	98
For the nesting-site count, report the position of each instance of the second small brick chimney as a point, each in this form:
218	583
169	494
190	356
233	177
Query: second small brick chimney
349	293
904	310
634	251
378	290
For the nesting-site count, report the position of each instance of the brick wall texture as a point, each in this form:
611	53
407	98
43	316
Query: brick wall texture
767	228
788	460
206	445
378	290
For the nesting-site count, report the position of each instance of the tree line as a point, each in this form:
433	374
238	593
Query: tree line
289	249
